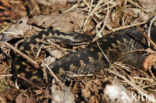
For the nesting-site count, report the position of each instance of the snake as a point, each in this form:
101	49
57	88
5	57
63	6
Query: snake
127	46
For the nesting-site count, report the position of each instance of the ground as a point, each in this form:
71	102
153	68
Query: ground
20	19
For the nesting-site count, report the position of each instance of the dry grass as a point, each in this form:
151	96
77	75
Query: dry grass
100	17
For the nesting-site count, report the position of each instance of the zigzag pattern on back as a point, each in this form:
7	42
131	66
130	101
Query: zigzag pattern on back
116	46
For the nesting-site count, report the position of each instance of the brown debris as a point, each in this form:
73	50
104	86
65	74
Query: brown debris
23	99
149	61
8	95
93	17
12	10
3	65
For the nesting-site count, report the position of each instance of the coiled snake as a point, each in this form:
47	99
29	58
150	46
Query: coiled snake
124	45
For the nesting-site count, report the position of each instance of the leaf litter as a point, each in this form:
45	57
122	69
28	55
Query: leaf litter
91	17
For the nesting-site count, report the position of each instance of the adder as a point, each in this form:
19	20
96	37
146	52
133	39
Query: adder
127	46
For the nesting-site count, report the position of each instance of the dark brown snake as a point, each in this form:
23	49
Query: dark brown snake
124	46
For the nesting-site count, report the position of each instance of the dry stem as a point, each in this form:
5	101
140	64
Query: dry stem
22	54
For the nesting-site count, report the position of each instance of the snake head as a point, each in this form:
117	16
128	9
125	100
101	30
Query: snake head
80	39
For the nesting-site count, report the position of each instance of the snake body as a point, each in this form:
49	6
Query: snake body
122	45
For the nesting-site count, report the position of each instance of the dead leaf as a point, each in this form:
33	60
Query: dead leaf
3	66
135	12
149	61
64	22
23	99
93	99
62	94
86	93
16	30
117	93
3	100
148	4
48	60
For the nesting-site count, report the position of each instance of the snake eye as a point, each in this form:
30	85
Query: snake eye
71	22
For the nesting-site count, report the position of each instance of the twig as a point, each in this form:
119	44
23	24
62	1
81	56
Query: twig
146	36
82	75
4	29
152	74
128	26
104	22
140	90
149	29
22	54
52	73
34	85
103	53
84	82
19	42
5	3
148	86
53	44
5	75
93	11
70	9
132	2
39	51
86	3
143	78
38	87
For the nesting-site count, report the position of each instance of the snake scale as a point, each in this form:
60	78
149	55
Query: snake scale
123	45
